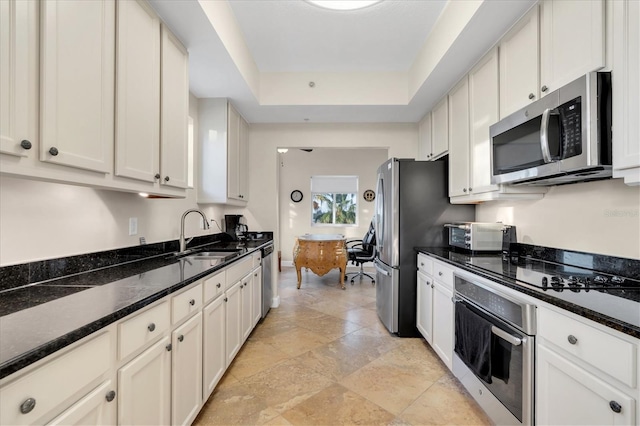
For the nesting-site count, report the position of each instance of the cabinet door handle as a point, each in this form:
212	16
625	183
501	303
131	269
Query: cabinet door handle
157	176
151	327
470	189
28	405
225	299
25	144
192	302
168	347
166	178
615	407
180	338
53	151
431	285
531	96
218	285
110	396
572	339
440	273
544	88
464	189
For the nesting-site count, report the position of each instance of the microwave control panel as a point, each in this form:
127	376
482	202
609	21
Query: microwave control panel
571	127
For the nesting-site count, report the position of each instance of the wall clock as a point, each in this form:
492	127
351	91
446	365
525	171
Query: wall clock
369	195
296	196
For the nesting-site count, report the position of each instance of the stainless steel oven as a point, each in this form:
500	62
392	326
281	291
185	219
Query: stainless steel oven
494	349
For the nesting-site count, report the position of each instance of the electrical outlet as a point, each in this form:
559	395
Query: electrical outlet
133	226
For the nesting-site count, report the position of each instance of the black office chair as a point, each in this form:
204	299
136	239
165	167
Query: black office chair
360	252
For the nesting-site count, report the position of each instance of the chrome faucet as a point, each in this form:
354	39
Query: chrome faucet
183	243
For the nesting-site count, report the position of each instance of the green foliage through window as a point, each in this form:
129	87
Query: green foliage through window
334	209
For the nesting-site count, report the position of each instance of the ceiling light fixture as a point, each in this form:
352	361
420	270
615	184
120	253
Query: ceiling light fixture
343	4
282	150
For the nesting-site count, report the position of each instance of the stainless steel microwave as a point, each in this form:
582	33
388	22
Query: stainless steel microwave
564	137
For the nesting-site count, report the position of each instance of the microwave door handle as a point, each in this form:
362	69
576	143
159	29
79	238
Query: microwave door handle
544	136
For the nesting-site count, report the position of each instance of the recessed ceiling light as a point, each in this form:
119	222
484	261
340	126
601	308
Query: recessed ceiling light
343	4
282	150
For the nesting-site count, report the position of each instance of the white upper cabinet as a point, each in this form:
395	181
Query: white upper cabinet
571	41
77	62
137	92
433	134
174	113
18	77
520	64
222	155
626	91
459	139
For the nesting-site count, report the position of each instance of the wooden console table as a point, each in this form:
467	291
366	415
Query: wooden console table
320	253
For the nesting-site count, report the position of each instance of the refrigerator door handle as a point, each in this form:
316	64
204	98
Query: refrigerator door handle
382	271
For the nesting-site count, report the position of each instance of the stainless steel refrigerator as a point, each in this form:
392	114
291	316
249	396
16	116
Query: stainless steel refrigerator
412	206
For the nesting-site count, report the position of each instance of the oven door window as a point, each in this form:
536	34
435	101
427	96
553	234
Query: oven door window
506	360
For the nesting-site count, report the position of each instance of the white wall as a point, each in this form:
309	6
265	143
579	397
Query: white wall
42	220
597	217
296	169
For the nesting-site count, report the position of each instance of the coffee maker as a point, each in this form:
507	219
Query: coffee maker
234	226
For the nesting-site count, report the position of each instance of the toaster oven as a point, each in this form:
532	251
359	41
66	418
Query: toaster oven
475	236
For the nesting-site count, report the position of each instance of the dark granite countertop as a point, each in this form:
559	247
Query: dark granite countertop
39	318
615	308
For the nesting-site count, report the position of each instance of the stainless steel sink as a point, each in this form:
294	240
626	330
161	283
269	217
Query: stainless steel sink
213	255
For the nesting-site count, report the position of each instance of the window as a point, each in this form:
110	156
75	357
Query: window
334	200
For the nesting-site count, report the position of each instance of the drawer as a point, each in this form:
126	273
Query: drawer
142	328
214	286
186	303
53	385
608	353
239	270
443	273
425	264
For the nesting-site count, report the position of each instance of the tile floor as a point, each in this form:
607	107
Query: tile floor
324	358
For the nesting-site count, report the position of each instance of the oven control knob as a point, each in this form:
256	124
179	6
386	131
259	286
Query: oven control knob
617	280
571	280
545	282
599	279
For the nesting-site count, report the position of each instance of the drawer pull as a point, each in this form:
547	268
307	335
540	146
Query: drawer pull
168	347
544	88
53	151
180	338
192	302
440	273
218	285
572	339
151	327
615	407
225	299
25	144
110	396
28	405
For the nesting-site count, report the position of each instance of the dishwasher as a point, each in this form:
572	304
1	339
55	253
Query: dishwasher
267	292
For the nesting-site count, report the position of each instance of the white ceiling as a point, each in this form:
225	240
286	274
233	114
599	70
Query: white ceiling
295	42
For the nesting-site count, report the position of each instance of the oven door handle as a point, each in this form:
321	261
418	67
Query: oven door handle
506	336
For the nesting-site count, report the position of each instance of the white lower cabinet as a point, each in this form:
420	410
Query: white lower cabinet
186	371
247	314
256	296
144	387
570	395
214	349
233	338
97	408
435	307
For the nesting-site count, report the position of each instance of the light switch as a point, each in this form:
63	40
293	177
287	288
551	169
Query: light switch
133	226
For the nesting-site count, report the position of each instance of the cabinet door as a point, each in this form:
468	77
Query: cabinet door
174	111
571	41
77	61
440	128
483	111
256	296
424	138
233	154
97	408
247	312
138	92
569	395
443	323
459	139
215	360
424	312
626	90
144	387
233	309
18	79
186	373
243	164
519	65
